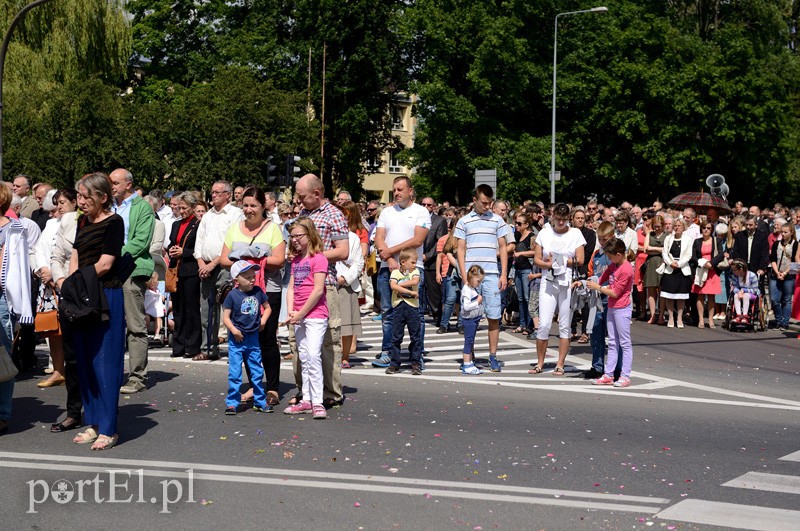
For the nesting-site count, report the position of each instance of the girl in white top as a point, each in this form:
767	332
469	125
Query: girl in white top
559	248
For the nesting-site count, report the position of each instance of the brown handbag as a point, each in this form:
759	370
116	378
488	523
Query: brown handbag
171	276
46	322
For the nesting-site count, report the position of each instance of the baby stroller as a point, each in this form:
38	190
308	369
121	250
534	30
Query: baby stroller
754	321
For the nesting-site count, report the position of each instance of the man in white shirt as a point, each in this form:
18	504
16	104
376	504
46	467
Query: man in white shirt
692	228
207	250
404	224
271	207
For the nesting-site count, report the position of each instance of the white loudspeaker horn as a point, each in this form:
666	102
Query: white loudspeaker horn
724	190
715	180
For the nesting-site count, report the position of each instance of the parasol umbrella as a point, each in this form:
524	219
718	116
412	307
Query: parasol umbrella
701	202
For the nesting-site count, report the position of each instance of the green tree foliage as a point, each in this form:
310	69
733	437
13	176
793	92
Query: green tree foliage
652	97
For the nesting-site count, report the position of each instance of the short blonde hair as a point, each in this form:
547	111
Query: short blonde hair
406	253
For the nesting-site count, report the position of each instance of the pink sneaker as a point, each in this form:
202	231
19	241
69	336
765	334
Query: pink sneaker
622	382
604	380
302	407
319	411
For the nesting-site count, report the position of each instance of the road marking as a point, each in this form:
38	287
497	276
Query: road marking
731	515
791	457
767	482
417	486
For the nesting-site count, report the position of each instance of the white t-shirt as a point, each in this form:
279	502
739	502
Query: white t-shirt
562	244
400	223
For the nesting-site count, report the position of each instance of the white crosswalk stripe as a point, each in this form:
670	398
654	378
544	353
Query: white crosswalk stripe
740	516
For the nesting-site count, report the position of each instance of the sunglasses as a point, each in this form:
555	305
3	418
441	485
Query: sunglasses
371	209
427	204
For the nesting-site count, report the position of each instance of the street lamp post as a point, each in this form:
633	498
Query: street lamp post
3	50
600	9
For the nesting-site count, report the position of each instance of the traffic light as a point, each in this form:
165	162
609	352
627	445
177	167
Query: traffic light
273	177
291	170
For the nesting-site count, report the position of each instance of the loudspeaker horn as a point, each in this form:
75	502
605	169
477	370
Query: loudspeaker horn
715	180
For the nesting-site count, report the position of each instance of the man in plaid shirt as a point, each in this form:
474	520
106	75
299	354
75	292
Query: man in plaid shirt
333	229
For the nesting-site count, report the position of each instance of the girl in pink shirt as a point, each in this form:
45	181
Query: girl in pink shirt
619	276
308	312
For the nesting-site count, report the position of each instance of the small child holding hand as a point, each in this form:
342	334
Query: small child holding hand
244	313
471	313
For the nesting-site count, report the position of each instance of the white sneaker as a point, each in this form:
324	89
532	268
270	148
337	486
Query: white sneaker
470	369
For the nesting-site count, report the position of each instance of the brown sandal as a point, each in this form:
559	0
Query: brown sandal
296	399
583	339
535	370
272	398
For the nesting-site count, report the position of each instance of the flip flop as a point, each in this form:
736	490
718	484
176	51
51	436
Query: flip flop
535	370
558	371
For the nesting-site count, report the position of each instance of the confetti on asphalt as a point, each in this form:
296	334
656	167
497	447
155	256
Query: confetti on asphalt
356	504
205	502
223	438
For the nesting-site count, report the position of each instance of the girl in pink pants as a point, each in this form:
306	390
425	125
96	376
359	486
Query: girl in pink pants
619	276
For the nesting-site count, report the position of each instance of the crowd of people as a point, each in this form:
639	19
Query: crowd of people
125	268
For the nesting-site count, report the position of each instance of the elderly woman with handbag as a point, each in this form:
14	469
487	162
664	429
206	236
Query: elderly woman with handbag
15	294
187	337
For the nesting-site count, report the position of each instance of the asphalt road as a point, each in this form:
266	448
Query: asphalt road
706	437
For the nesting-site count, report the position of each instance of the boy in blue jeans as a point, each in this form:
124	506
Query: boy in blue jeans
404	283
244	313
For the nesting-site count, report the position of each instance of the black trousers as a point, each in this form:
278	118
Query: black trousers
74	400
187	337
434	290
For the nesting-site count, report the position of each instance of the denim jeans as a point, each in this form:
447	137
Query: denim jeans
386	310
781	292
451	290
523	294
404	316
6	336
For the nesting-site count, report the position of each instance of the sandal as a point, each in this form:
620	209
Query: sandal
346	365
63	426
296	399
535	370
558	371
517	330
584	339
104	442
85	437
273	399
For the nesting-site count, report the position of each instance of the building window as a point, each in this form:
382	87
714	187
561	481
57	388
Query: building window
397	118
375	163
394	164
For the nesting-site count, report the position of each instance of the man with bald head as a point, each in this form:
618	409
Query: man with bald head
139	221
333	230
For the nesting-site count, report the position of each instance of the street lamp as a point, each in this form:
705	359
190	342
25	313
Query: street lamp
3	49
601	9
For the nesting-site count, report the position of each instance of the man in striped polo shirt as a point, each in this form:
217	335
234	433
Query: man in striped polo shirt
481	236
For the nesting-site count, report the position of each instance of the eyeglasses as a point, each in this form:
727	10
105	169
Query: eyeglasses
371	209
427	204
297	236
518	223
217	192
707	228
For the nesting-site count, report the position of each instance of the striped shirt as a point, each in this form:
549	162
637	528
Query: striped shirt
481	233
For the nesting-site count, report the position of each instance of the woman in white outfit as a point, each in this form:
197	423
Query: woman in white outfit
676	280
559	249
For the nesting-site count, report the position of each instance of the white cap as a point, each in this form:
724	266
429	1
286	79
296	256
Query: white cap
241	266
